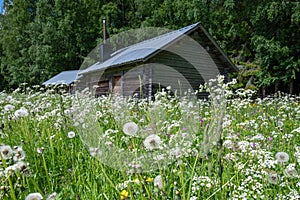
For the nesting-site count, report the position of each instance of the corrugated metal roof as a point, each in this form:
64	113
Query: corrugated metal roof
65	77
140	51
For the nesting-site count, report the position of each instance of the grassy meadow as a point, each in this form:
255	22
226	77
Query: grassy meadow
77	147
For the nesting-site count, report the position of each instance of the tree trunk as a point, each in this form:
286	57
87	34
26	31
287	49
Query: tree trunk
291	86
276	86
263	92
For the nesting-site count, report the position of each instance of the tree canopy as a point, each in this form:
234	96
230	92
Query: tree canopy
40	38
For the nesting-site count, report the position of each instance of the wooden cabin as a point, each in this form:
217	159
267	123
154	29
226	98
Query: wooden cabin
182	59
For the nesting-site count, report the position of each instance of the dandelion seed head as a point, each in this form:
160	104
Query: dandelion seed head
152	142
9	107
130	128
71	134
21	166
34	196
282	157
273	178
19	153
40	150
52	196
22	112
6	152
290	171
158	182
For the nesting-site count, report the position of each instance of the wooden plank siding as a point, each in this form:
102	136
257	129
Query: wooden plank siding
175	71
213	51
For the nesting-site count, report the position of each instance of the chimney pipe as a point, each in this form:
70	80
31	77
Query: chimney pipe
104	48
104	31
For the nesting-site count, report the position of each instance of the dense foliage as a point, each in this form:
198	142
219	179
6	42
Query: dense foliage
41	38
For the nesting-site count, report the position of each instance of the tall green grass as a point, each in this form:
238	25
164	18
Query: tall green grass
240	163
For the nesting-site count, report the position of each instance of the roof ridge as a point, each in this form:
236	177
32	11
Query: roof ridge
155	38
165	34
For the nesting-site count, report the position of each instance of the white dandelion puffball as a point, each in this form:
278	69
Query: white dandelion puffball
22	112
290	171
40	150
158	182
152	142
19	155
71	134
9	107
6	152
34	196
130	128
20	166
95	151
273	178
282	157
52	196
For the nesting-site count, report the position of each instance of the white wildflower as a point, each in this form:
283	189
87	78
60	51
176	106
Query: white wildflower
258	137
123	185
158	182
51	137
296	130
293	195
243	145
297	154
10	169
159	157
177	152
95	151
280	124
228	144
231	156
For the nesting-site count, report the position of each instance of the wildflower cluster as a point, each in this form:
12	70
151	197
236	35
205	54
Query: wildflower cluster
12	160
141	134
229	145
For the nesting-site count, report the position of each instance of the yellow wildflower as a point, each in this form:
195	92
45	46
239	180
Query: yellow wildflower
149	179
124	194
